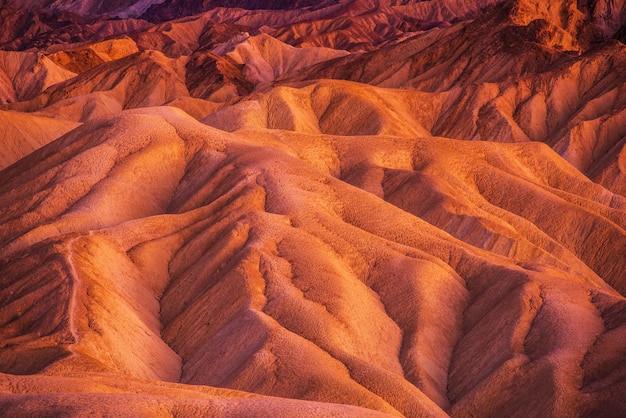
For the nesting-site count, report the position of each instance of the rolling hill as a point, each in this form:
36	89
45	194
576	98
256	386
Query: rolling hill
338	208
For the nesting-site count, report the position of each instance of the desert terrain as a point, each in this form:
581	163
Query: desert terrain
313	208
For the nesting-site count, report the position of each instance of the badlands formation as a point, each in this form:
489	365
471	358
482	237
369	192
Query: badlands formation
313	208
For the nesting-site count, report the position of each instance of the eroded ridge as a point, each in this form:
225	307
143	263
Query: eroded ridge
347	208
327	280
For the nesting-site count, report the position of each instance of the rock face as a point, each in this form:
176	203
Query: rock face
363	208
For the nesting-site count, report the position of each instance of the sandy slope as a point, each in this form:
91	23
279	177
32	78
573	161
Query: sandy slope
349	209
29	73
22	134
107	395
272	242
143	79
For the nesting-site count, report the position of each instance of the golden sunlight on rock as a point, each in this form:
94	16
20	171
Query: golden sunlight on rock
363	208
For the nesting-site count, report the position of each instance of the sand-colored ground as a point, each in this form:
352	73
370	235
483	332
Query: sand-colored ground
342	209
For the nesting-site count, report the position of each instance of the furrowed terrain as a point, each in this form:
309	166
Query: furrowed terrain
338	208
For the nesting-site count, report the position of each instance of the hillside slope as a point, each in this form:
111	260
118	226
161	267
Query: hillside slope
347	208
